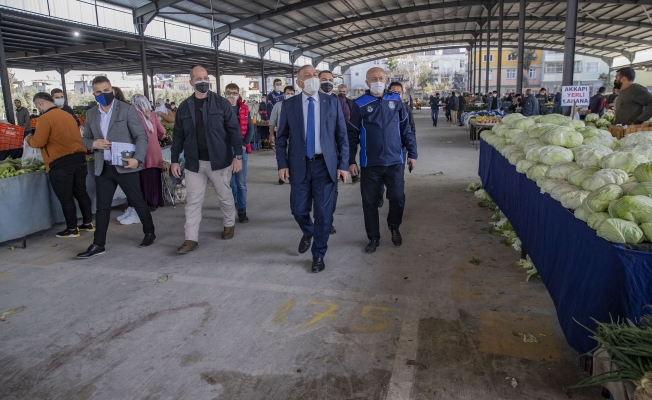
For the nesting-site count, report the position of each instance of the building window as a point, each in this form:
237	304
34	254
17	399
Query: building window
578	66
554	67
511	74
592	67
491	58
532	74
511	57
462	64
357	74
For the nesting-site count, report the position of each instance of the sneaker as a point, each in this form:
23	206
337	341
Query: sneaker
87	227
68	233
131	219
125	215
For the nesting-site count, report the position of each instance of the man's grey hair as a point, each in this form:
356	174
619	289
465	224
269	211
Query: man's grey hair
528	92
302	68
342	87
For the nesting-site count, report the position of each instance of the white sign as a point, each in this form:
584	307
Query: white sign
578	95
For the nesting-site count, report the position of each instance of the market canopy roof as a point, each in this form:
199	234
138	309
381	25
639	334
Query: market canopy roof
348	32
43	43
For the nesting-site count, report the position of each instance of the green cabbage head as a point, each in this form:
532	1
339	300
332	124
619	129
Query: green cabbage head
637	209
620	231
600	198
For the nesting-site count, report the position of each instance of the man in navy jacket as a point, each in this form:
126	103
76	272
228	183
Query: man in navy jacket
380	124
318	153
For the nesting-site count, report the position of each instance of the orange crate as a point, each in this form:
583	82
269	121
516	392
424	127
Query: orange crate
619	132
11	136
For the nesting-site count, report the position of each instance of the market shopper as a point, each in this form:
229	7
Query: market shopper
288	92
113	121
64	155
119	95
60	101
530	105
207	131
312	149
494	102
598	102
381	126
274	96
34	114
613	96
343	91
326	86
634	103
453	105
434	108
239	179
22	116
461	105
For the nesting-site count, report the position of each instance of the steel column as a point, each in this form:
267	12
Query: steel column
141	25
62	72
293	75
263	79
499	70
475	65
6	85
217	70
480	63
486	87
521	47
569	47
151	79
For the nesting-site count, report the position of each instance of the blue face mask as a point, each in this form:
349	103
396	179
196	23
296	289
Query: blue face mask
105	99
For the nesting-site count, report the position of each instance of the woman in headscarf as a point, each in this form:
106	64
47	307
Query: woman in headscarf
163	114
150	175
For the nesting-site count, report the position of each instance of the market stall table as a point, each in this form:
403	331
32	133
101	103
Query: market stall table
586	276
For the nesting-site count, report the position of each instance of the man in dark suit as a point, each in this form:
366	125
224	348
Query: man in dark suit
114	121
317	156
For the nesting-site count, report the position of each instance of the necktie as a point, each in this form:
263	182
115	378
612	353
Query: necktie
310	129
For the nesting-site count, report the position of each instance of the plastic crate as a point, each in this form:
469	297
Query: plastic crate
619	131
11	136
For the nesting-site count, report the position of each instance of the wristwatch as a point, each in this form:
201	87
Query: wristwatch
140	163
238	157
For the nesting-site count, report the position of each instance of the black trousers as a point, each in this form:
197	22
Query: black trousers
372	180
69	183
105	186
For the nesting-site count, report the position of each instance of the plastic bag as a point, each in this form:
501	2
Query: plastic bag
31	156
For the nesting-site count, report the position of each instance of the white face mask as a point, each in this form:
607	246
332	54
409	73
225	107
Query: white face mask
377	87
311	86
287	96
59	102
234	97
278	88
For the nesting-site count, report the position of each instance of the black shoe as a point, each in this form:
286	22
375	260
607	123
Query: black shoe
242	216
304	244
433	124
381	202
371	247
281	181
93	250
318	265
87	227
355	179
333	231
397	239
68	233
148	240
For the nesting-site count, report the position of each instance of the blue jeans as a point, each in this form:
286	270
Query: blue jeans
239	184
434	113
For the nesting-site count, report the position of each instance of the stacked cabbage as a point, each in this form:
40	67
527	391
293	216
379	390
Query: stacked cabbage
605	181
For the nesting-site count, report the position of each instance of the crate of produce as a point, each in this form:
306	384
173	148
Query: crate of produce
11	136
620	131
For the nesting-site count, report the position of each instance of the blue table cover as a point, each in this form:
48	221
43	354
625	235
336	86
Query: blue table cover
586	276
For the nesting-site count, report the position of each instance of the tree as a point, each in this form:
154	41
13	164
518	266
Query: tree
606	81
459	81
391	63
528	57
425	76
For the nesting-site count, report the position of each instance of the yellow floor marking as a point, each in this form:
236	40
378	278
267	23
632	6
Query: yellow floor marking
321	315
283	311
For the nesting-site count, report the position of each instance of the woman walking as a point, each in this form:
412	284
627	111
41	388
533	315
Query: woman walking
150	175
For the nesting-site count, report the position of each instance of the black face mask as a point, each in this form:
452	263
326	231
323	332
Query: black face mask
326	87
202	87
617	84
342	95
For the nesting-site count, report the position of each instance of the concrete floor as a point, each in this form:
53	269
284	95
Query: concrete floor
245	319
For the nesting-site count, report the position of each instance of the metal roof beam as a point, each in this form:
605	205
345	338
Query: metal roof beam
75	49
149	11
583	20
592	36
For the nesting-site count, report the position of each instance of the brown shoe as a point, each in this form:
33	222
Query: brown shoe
188	246
228	233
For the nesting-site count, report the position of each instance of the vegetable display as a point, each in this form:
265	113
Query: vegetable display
606	182
14	167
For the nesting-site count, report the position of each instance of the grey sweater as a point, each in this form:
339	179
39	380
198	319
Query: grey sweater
633	105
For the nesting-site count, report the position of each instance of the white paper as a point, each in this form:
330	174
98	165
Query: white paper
578	95
116	151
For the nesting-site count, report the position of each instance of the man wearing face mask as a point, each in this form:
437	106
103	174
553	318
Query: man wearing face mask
239	179
207	131
494	102
326	80
314	126
114	121
380	124
60	101
453	105
634	103
288	92
275	96
343	91
64	156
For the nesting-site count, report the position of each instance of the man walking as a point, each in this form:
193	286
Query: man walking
274	96
461	106
60	101
317	157
113	121
453	106
530	105
64	155
206	129
434	108
239	179
343	91
380	124
22	116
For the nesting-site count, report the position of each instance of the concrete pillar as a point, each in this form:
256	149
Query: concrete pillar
569	47
521	47
499	70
